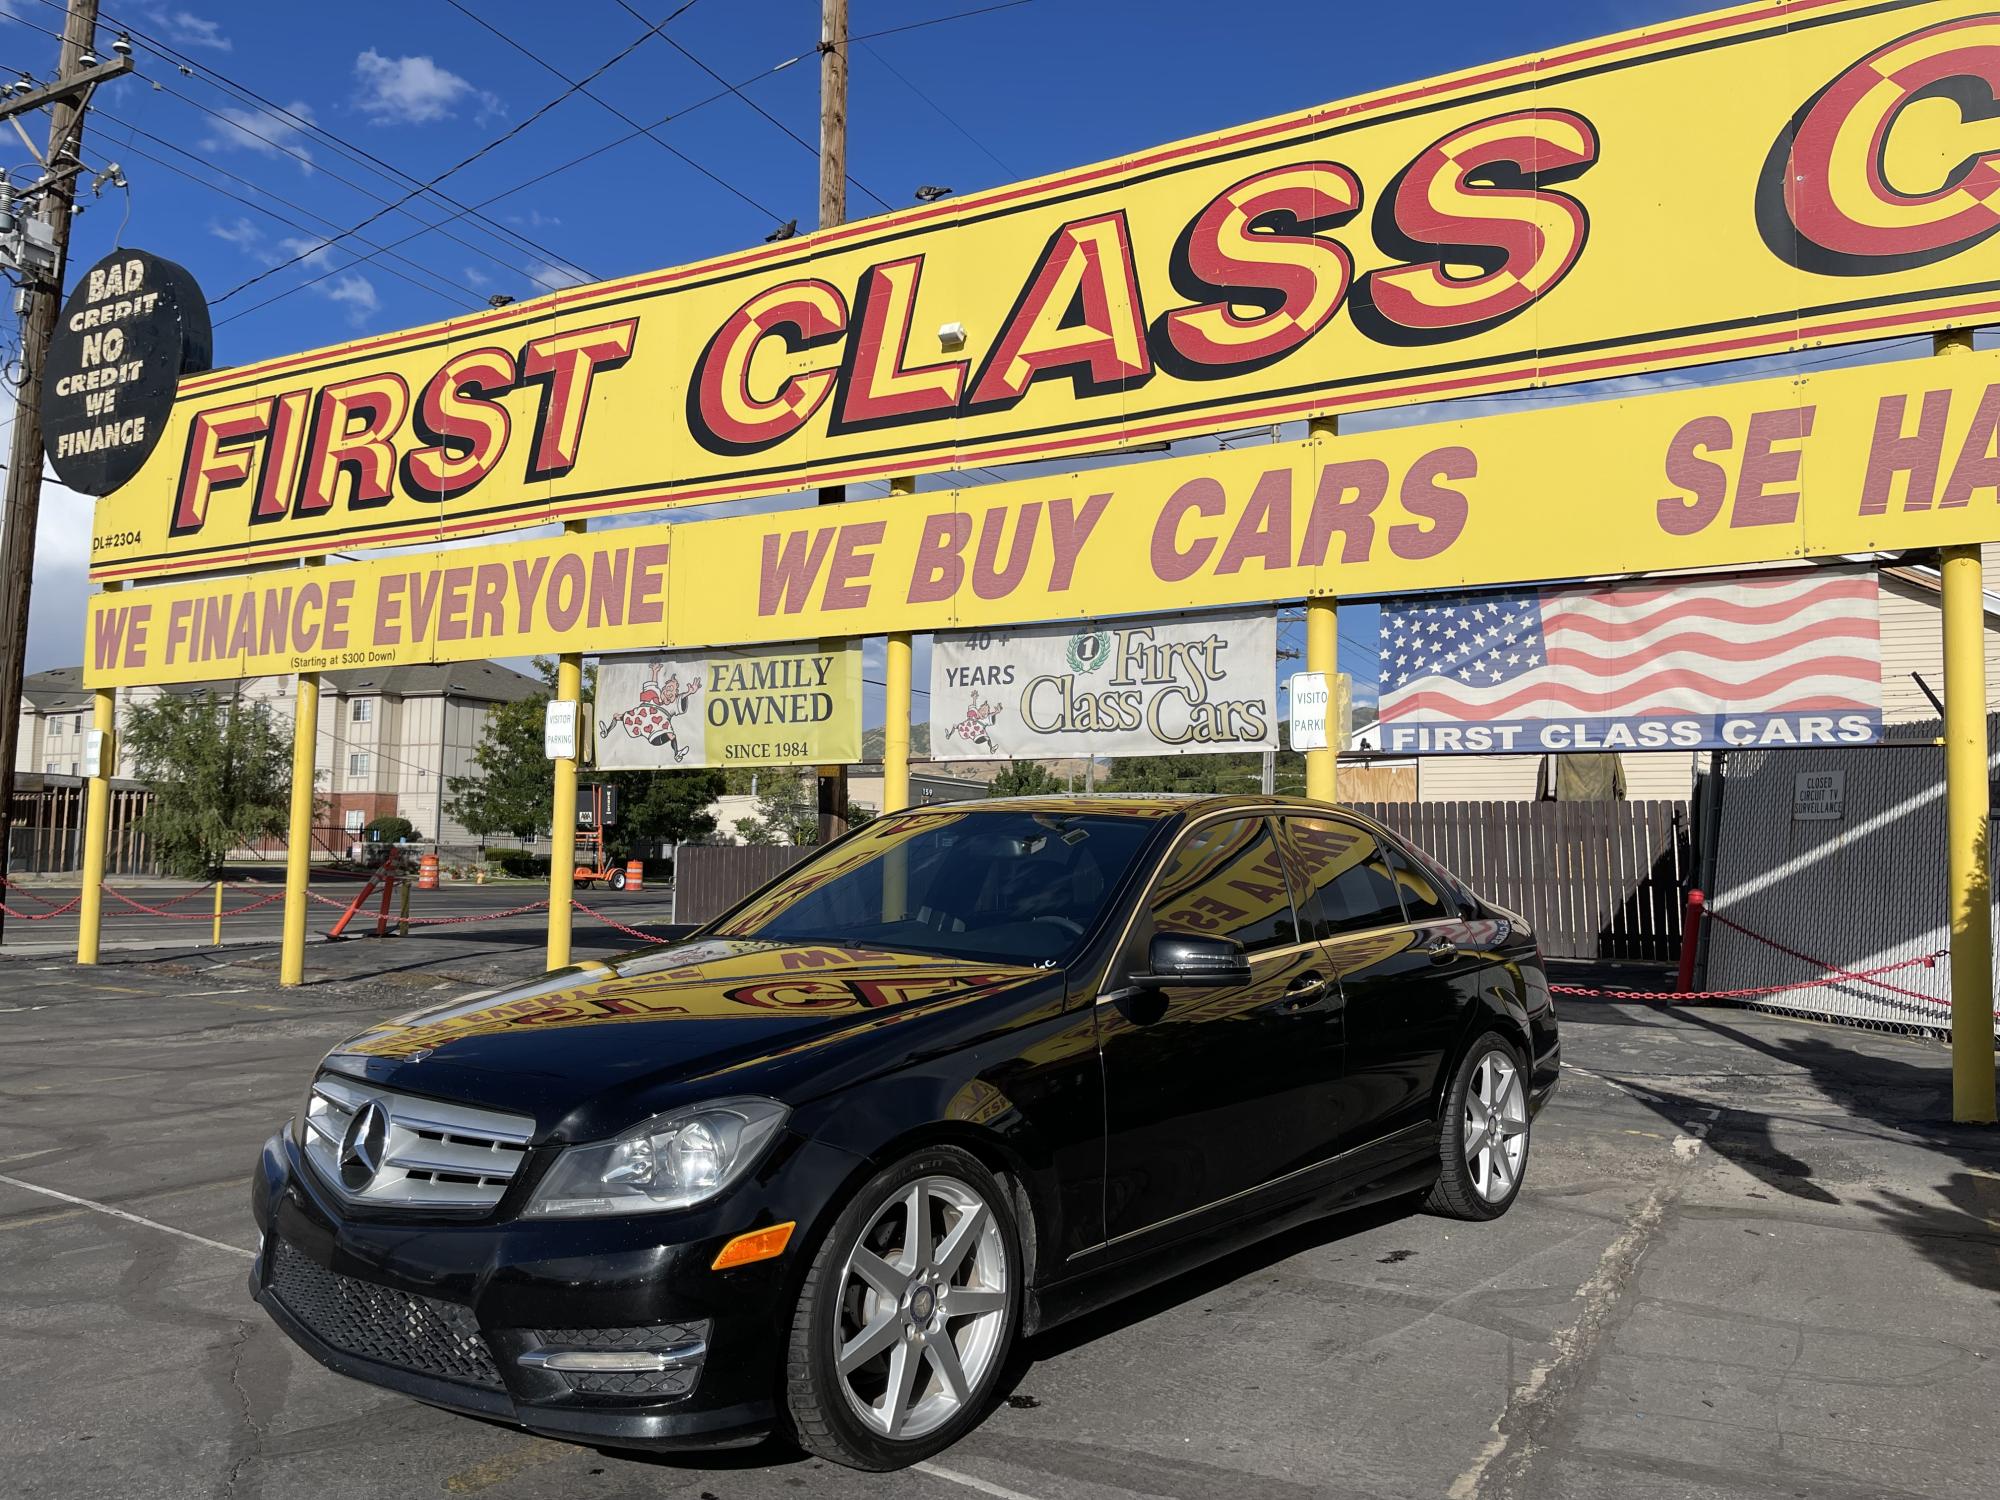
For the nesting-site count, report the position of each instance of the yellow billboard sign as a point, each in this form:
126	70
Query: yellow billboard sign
774	706
467	604
1785	174
1874	459
1880	458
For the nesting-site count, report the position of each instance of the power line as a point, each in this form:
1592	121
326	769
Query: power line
869	36
134	131
507	192
939	110
516	242
649	131
491	146
808	145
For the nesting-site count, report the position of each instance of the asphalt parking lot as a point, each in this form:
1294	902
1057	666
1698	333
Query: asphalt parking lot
1750	1260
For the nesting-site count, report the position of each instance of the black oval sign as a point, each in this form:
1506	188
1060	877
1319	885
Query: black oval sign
132	327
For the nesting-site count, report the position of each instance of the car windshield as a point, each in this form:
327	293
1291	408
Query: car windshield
997	887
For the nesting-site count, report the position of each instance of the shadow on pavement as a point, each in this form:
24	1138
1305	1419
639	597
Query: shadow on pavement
1961	1236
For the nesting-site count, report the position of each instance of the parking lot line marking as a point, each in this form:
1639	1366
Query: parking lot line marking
119	1213
970	1481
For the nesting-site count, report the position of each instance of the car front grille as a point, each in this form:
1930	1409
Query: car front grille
432	1155
411	1332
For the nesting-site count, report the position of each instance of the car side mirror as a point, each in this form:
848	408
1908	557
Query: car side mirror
1178	959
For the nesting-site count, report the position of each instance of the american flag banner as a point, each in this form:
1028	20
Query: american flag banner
1764	659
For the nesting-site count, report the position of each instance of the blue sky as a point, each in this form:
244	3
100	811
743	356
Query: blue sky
256	129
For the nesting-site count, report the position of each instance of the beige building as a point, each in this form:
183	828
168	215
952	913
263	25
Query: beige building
389	738
1912	657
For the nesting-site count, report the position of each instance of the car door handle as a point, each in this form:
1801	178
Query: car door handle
1441	950
1304	992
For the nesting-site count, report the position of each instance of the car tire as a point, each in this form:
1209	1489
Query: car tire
1483	1133
617	880
952	1302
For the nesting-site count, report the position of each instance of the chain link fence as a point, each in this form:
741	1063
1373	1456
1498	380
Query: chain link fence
1853	891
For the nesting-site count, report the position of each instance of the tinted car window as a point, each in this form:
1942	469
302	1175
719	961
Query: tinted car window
1353	887
1005	887
1225	880
1425	897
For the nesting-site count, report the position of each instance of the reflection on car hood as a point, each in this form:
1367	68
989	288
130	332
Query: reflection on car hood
681	1012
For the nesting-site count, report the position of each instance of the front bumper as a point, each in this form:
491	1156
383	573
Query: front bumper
444	1311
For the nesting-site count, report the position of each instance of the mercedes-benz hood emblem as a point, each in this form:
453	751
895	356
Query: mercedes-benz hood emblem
361	1148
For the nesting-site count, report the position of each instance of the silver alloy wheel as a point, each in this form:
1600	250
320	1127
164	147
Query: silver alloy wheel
923	1304
1496	1126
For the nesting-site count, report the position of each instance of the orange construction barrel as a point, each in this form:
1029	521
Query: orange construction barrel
635	874
427	873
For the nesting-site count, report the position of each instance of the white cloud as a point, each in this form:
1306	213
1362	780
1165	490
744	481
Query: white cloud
476	277
353	291
310	253
554	278
534	218
240	232
184	28
261	132
413	90
191	30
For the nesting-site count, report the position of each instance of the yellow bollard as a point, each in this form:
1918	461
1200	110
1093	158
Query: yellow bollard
215	936
1323	655
1967	811
298	835
896	724
97	826
562	836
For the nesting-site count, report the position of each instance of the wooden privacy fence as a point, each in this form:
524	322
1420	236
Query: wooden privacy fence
1599	880
711	878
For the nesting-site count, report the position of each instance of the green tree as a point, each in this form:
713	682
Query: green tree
221	774
1023	778
511	788
393	829
670	806
787	811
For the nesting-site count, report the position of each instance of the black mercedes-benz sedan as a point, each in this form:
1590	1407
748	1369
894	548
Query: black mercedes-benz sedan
970	1071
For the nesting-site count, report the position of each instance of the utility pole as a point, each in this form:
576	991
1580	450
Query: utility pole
832	211
68	99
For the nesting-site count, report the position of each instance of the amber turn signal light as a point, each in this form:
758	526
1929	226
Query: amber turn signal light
758	1244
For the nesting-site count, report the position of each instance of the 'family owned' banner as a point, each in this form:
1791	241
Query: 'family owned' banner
773	707
1785	174
1133	687
1782	658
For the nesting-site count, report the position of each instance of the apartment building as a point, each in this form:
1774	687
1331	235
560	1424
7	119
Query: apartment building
389	738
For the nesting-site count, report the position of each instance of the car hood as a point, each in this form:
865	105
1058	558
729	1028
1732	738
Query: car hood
599	1045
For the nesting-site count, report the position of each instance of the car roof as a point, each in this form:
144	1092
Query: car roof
1134	804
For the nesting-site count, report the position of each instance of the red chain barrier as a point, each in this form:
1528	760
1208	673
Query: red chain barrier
40	916
191	916
1832	976
478	916
618	926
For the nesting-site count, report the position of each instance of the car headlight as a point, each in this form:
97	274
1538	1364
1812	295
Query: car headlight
673	1160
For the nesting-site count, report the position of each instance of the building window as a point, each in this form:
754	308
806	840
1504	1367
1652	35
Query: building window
364	710
77	728
50	768
357	763
356	820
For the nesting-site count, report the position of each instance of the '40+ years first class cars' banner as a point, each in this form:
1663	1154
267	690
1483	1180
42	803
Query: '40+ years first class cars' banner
1129	687
1781	175
772	707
